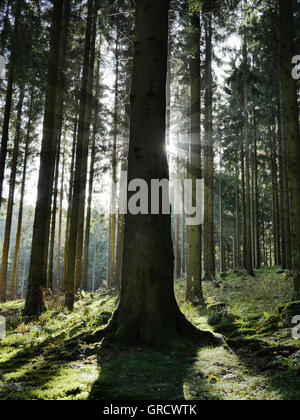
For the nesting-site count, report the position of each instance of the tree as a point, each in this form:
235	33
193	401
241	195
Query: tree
80	173
11	194
60	19
209	241
9	93
194	272
292	134
147	309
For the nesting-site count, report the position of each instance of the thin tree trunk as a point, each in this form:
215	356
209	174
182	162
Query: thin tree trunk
244	224
114	171
91	182
86	141
209	242
285	186
222	266
248	254
9	93
53	224
238	220
70	194
13	281
61	198
81	154
194	291
11	195
256	195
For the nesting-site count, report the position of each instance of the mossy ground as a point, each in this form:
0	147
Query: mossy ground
48	359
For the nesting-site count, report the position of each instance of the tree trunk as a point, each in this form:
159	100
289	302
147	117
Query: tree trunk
124	167
209	242
81	155
70	194
285	181
244	224
53	224
13	281
86	141
113	218
222	265
61	198
238	220
194	270
147	310
9	92
10	204
61	12
293	134
91	183
256	194
248	253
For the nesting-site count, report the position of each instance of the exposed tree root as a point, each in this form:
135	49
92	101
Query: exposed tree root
130	333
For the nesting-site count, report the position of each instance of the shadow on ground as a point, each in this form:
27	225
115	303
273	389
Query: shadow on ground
144	374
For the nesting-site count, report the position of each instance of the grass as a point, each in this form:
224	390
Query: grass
46	359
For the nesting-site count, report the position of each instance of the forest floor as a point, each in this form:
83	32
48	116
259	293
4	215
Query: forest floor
47	360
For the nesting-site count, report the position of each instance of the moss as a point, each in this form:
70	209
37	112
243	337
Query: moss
45	359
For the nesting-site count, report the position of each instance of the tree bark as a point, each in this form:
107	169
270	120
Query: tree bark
13	280
61	12
61	198
147	310
209	241
293	134
248	253
70	194
91	182
86	142
9	93
11	195
81	155
194	291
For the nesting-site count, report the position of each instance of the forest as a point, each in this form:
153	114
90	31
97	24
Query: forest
149	200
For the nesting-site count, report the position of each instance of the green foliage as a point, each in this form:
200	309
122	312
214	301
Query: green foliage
48	359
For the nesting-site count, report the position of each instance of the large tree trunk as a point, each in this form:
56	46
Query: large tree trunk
147	309
293	134
9	93
194	272
61	12
11	195
209	241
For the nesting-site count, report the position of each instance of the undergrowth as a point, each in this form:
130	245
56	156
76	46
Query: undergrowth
48	359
